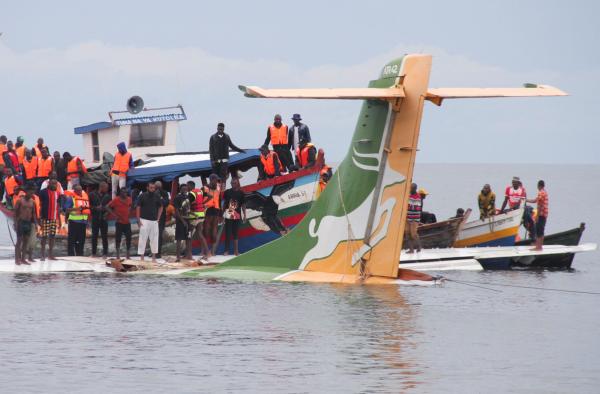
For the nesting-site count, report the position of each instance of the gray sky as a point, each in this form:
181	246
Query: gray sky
65	64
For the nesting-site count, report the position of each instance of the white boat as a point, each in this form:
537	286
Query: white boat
498	230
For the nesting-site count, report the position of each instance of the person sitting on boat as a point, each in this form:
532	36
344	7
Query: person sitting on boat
11	160
75	170
298	131
213	210
487	202
197	214
29	166
20	149
122	163
460	213
10	186
542	214
77	206
426	217
514	195
218	146
50	219
278	137
39	148
306	155
413	218
270	166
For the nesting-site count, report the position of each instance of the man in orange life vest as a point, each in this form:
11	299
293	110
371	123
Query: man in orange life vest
194	223
213	211
20	148
29	167
306	155
10	185
270	166
45	167
278	136
123	162
75	170
77	206
39	147
3	147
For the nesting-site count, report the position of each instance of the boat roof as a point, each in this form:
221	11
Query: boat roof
170	166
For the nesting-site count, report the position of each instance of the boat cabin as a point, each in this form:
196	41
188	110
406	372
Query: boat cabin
151	131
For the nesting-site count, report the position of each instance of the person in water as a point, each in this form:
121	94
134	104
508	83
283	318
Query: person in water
25	223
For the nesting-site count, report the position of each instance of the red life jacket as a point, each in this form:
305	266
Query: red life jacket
198	204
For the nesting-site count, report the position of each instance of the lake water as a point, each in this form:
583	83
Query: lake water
119	333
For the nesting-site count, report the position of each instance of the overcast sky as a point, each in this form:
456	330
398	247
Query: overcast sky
66	64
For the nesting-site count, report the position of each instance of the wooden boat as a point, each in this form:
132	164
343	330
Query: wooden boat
570	237
498	230
440	234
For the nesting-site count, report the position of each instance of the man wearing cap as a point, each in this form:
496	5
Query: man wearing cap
218	146
514	195
299	131
278	137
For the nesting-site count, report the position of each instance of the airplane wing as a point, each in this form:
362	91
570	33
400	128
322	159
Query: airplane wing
530	90
324	93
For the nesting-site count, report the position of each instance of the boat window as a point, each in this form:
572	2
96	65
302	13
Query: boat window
150	134
95	146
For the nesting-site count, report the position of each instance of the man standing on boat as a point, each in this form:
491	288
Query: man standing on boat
278	137
148	212
197	214
542	214
183	218
75	170
25	223
39	148
235	213
45	167
164	199
298	132
218	146
60	166
29	167
413	218
49	216
213	212
120	208
487	202
20	149
11	160
122	163
514	195
99	199
77	206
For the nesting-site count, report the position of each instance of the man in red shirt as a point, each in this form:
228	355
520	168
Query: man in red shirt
542	214
514	195
120	208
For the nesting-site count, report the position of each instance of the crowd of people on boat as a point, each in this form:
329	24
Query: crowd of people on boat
46	195
515	196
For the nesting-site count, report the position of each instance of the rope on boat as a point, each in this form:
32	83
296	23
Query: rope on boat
474	283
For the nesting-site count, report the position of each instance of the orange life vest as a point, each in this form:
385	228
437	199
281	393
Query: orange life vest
38	151
279	135
31	168
10	184
303	154
72	170
198	204
17	197
82	202
45	167
3	149
21	153
215	200
269	163
121	164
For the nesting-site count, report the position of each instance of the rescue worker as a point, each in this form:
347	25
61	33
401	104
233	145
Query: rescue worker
3	148
278	137
270	165
39	148
20	149
75	170
218	146
299	131
29	167
77	206
514	195
45	167
487	202
195	221
10	185
306	155
11	160
123	162
413	217
213	211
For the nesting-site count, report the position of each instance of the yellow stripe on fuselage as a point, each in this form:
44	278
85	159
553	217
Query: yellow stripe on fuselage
487	237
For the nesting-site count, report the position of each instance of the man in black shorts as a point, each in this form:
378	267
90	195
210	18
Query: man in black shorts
183	228
25	223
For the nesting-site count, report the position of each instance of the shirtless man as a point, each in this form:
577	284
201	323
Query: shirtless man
25	224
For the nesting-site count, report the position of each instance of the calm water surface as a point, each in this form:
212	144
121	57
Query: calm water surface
118	333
